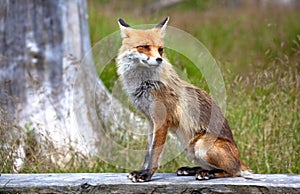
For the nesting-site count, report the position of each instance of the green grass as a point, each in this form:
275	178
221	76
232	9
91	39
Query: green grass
258	52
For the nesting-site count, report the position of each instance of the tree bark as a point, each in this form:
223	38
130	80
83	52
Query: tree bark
44	88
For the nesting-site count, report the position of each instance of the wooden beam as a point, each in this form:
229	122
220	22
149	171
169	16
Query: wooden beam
161	183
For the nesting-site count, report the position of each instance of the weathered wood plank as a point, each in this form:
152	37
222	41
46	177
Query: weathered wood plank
162	183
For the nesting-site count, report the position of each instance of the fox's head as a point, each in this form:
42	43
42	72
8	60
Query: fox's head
143	48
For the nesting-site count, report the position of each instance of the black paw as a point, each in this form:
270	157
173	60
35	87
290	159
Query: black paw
140	176
204	175
187	171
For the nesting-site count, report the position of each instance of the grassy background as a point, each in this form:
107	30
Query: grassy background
258	52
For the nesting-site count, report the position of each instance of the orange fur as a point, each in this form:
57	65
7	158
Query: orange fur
170	103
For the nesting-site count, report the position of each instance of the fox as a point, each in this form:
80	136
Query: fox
170	103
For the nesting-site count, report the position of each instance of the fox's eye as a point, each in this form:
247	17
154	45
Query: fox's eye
160	50
144	47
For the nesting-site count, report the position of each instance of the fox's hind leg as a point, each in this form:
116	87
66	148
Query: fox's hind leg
210	174
201	174
188	171
221	157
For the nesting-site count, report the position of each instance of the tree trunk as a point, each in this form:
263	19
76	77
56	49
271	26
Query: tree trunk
44	89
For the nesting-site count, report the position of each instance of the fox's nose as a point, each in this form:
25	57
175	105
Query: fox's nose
159	60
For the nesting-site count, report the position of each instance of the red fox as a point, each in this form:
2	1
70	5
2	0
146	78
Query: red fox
170	103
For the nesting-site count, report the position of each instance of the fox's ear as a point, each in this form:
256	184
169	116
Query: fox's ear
163	25
124	27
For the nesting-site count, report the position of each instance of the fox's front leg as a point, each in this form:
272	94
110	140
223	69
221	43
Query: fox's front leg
143	173
156	140
154	150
